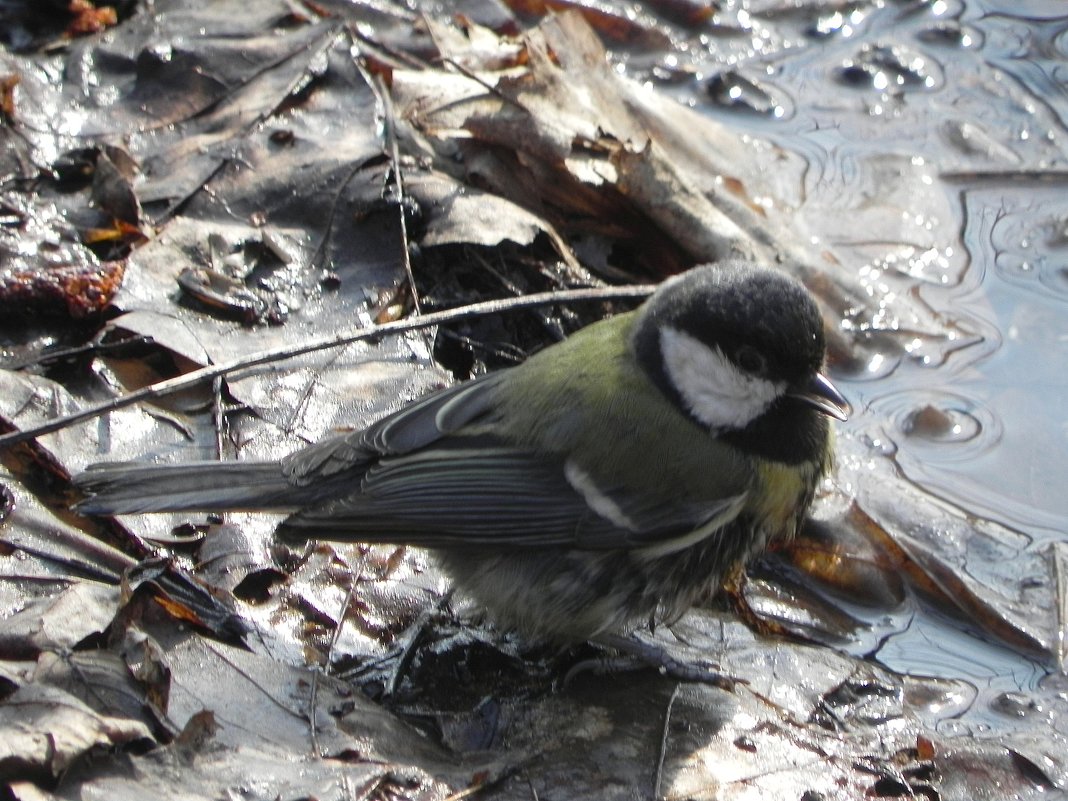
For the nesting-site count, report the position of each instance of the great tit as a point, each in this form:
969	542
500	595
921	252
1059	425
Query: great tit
610	480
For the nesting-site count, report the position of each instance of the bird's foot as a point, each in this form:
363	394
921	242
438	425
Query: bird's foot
633	654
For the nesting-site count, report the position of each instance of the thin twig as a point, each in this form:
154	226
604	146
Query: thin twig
401	57
178	383
340	623
380	89
489	87
313	700
324	241
663	743
52	356
218	414
467	792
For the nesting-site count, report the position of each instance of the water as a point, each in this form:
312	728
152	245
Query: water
932	139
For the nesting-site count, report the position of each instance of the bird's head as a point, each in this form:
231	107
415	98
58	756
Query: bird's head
739	349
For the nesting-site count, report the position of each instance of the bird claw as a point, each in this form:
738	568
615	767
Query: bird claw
601	666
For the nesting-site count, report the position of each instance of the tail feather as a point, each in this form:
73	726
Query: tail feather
135	488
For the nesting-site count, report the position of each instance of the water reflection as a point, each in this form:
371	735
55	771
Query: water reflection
986	673
932	135
1027	237
925	422
732	89
888	68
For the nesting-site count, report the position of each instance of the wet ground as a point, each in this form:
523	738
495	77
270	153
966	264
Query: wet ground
933	145
918	146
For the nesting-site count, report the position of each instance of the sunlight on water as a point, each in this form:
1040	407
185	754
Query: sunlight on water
935	171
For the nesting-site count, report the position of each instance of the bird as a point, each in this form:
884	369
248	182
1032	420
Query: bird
610	481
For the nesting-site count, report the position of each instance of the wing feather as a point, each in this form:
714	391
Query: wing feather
415	426
473	491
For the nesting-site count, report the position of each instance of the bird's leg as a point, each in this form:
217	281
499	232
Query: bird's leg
732	591
633	654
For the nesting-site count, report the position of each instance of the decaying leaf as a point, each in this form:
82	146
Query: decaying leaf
293	169
82	610
44	730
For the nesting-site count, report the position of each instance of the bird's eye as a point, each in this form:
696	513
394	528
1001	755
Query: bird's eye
751	360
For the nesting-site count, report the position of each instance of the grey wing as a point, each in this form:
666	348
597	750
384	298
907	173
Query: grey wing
475	491
410	428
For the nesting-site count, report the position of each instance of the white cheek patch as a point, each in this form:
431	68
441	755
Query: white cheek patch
716	392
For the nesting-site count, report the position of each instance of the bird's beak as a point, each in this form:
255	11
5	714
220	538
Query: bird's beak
822	396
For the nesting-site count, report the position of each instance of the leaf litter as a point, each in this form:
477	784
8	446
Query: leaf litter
255	160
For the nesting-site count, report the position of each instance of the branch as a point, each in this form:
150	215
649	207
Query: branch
212	371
